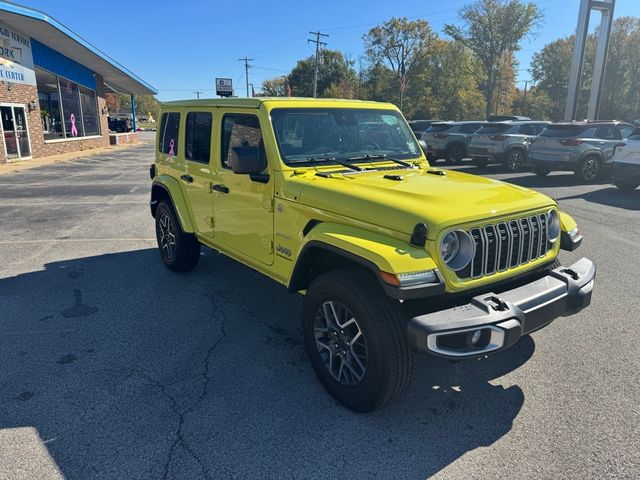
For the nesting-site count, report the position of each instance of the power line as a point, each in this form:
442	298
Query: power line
246	61
318	45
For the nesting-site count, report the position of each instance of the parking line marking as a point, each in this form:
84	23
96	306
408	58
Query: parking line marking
106	202
70	240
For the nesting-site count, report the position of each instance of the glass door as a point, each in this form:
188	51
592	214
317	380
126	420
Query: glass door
14	129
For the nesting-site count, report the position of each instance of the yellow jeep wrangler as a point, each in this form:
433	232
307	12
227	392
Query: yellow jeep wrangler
335	199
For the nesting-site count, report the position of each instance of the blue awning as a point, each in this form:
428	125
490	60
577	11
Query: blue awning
48	31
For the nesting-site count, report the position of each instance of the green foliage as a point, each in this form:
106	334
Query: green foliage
145	104
275	87
334	68
493	30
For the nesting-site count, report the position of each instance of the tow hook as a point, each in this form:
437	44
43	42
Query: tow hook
572	273
497	304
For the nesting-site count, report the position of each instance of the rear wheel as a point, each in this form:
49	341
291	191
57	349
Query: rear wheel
625	187
515	160
356	340
455	153
179	251
589	169
541	171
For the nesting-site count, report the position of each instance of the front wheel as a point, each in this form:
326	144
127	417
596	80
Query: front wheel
455	153
179	251
589	170
356	339
515	160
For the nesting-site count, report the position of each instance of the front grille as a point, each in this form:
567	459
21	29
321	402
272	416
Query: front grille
507	245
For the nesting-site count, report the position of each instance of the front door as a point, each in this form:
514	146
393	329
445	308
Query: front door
15	132
242	204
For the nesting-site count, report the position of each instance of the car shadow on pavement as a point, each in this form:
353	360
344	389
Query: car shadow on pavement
611	197
127	370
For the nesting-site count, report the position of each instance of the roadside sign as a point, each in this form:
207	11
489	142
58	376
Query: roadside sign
224	87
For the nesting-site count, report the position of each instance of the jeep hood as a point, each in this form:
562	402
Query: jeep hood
440	201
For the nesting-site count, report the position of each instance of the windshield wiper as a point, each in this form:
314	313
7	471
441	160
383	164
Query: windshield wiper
381	157
334	160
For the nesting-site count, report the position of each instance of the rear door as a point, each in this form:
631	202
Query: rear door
607	137
242	204
196	179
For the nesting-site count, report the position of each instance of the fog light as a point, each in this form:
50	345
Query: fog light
475	337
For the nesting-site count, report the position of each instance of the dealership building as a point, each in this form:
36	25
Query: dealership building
53	86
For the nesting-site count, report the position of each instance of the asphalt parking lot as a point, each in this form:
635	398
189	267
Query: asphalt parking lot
113	367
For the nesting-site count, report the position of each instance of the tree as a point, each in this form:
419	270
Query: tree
334	68
493	30
275	87
399	45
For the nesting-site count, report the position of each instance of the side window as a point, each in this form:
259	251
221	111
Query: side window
197	145
169	130
527	129
540	128
469	128
626	130
239	132
608	133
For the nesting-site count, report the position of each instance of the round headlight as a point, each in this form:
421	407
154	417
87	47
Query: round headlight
553	225
456	249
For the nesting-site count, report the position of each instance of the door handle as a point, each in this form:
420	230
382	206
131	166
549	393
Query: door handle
187	178
220	188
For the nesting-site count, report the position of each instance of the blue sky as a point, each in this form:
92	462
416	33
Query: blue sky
180	47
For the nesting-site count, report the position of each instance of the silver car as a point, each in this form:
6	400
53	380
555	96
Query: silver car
449	140
504	142
585	148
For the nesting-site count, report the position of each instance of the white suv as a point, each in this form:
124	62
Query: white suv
626	163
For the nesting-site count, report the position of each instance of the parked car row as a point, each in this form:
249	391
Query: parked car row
586	148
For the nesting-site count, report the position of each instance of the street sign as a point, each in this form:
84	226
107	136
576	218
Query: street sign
224	87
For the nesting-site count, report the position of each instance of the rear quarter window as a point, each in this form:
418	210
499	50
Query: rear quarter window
169	131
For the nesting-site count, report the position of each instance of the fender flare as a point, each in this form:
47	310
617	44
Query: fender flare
372	251
172	190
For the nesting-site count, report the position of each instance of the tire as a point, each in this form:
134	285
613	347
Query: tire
516	159
454	153
625	187
589	169
179	251
379	362
541	171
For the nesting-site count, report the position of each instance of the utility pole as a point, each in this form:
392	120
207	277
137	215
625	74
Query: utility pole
524	101
198	92
318	45
246	71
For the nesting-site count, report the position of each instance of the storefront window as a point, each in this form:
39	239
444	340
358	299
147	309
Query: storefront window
71	108
68	110
49	105
90	121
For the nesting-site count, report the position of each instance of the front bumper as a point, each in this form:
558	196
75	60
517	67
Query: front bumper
491	323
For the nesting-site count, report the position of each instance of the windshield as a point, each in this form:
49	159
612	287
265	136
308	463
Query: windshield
330	134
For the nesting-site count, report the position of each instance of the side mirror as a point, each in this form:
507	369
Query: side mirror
248	160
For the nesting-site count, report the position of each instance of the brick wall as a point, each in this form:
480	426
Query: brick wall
24	94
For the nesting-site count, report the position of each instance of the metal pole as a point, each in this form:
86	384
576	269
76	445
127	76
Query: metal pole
318	44
133	112
403	75
593	107
246	71
524	101
577	60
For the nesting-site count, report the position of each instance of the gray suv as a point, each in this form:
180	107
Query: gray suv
504	142
585	148
450	140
